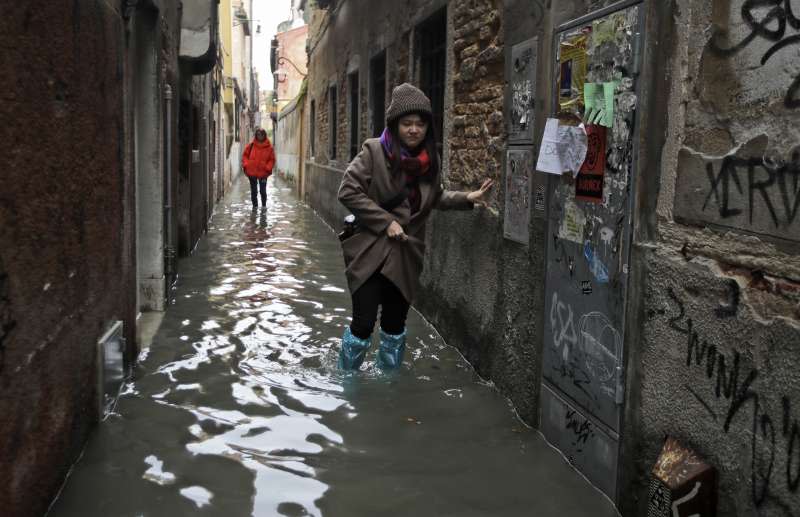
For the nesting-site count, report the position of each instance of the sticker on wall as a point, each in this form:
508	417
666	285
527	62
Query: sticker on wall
572	223
586	287
589	183
599	102
519	166
523	88
538	204
598	269
572	72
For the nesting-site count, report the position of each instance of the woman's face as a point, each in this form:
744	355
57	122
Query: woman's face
412	130
261	135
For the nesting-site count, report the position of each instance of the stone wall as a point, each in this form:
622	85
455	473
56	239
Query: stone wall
483	292
721	333
68	238
713	303
67	266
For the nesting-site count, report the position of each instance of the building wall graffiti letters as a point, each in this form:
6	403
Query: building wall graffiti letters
773	433
747	189
770	21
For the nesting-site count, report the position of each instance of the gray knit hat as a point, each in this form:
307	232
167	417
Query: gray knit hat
406	99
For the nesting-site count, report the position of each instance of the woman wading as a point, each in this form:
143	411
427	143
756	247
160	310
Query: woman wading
391	188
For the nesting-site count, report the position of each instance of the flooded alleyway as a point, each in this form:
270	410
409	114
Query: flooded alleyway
237	408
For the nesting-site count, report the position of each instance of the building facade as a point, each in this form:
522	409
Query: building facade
652	295
119	112
288	59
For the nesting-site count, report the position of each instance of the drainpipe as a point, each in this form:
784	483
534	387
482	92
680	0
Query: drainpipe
169	249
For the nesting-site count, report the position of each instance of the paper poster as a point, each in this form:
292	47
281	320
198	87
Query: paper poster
599	102
572	223
589	183
519	165
572	62
523	86
563	148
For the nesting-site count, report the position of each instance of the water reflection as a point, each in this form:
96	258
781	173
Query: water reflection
238	408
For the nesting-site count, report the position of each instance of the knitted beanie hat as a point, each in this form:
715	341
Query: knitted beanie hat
406	99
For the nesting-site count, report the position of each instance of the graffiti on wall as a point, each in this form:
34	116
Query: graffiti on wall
523	91
774	186
589	348
519	165
774	435
773	22
747	189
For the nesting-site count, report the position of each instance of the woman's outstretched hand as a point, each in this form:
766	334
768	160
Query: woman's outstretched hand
478	197
395	231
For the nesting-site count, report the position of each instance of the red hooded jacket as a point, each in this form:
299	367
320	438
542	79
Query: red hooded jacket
258	159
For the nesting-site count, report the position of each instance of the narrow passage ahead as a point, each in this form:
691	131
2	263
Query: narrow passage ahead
237	408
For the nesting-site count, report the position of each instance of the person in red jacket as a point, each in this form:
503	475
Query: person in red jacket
258	160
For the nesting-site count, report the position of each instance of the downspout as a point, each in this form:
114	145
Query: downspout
169	249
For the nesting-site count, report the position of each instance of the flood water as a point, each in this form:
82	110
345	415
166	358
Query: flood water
238	408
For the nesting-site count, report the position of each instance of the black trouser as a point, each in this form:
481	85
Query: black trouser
262	184
378	290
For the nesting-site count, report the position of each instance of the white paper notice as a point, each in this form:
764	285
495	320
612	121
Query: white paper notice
563	148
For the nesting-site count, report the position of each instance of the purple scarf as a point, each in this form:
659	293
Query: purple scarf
412	166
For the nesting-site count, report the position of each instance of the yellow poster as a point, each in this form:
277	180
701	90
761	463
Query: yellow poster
572	74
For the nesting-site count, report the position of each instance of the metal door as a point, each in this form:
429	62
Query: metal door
589	233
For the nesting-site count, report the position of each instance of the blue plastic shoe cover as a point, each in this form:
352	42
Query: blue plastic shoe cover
353	350
390	352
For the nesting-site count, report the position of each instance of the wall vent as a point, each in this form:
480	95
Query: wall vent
110	368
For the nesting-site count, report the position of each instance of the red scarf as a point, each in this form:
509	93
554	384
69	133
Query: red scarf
412	167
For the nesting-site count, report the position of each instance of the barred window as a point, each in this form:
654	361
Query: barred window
432	55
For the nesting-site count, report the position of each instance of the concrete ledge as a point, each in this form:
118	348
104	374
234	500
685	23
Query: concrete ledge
322	185
152	294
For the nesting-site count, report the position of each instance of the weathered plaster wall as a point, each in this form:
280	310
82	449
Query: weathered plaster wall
66	246
287	141
720	338
292	45
483	292
714	266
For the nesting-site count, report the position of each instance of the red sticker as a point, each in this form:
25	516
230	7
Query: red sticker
589	182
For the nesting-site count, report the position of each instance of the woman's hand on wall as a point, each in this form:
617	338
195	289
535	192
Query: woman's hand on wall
478	197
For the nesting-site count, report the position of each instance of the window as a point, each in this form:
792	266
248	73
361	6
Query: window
312	131
237	109
353	122
332	122
432	45
377	72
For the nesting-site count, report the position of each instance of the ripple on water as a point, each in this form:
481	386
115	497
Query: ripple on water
238	408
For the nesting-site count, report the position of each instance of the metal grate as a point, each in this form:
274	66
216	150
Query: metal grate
110	367
659	499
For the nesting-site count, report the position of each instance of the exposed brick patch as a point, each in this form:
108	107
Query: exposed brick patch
477	137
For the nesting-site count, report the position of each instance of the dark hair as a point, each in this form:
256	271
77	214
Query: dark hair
429	144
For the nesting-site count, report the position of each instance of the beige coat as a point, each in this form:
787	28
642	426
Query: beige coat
367	183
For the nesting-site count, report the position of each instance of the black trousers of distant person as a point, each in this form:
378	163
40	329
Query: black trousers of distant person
378	291
261	184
